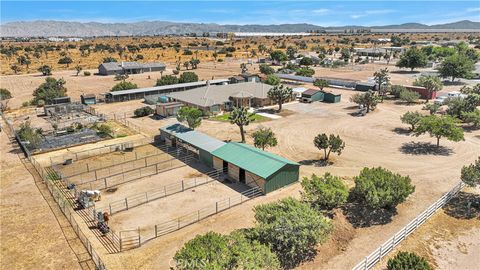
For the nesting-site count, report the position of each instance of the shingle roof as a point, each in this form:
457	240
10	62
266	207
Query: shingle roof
251	159
219	94
192	137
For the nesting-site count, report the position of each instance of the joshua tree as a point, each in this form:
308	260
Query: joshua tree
240	117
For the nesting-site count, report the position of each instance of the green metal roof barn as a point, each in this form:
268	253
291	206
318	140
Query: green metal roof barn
253	166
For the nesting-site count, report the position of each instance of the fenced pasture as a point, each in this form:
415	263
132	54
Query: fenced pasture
113	175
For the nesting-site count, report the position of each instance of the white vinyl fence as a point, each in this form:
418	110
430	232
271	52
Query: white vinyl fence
391	243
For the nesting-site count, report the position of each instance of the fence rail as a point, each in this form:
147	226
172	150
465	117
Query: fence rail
193	217
158	193
391	243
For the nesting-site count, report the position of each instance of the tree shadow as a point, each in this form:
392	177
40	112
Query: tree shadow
463	206
402	131
423	148
470	128
405	72
351	107
361	216
447	83
315	162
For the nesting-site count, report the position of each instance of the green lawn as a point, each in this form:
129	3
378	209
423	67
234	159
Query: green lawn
224	118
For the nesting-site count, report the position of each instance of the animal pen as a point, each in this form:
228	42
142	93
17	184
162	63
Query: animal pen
141	188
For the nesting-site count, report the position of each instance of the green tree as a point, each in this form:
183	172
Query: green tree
29	134
380	188
320	83
471	174
456	66
472	117
187	77
382	79
50	89
45	70
408	261
439	127
65	61
431	83
292	229
412	58
192	116
167	80
272	79
278	56
329	144
325	192
264	137
143	111
240	117
412	119
432	108
291	51
306	61
216	251
395	90
124	85
5	96
15	68
409	96
280	94
109	59
266	69
104	130
78	68
307	72
369	100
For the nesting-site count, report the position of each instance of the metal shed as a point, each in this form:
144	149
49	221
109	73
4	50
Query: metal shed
312	95
197	142
332	98
254	167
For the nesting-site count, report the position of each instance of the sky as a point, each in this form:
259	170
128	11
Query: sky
323	13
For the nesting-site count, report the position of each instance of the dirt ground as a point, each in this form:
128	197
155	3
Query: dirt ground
379	139
449	239
30	236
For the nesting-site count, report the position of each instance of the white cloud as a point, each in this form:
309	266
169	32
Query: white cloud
321	11
477	9
371	12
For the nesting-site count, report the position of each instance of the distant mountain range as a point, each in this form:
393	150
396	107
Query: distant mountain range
149	28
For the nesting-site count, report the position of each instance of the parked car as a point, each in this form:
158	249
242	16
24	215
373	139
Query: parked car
441	100
455	94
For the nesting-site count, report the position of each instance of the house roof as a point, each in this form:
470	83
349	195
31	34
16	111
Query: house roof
219	94
295	78
310	92
115	66
251	159
192	137
111	66
166	87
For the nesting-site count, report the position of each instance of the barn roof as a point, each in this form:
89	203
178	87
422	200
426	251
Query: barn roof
192	137
251	159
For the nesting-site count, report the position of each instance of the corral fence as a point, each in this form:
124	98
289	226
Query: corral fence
141	168
158	193
74	156
59	198
396	239
120	118
11	131
146	234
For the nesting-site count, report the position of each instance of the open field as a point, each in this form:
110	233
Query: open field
31	237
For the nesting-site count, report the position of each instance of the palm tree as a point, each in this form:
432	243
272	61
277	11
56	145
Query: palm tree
240	117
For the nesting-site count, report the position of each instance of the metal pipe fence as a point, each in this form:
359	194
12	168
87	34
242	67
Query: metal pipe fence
191	218
158	193
396	239
137	172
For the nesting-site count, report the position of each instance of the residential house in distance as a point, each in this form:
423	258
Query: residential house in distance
112	68
244	77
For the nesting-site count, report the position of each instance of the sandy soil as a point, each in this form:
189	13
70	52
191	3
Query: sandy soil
447	241
374	140
30	236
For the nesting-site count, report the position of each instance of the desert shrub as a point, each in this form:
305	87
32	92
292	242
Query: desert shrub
324	192
380	188
87	73
143	111
266	69
409	96
412	119
167	80
124	85
407	261
395	90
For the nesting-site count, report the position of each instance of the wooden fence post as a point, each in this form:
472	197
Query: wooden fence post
126	203
156	230
216	207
